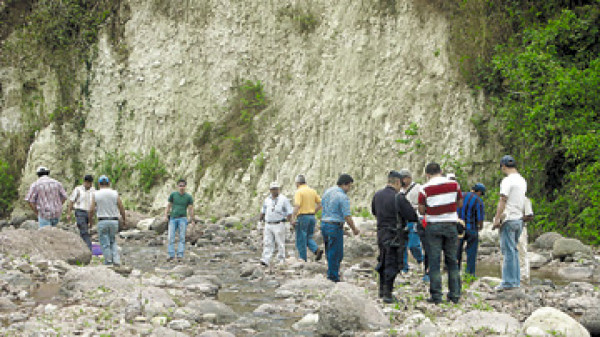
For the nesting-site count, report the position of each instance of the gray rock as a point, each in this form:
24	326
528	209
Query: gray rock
216	333
576	273
546	240
7	305
47	243
553	320
568	247
499	322
355	247
202	284
132	218
4	223
224	313
314	285
29	225
229	221
166	332
581	304
182	270
160	225
346	308
308	322
591	321
536	260
17	221
16	280
179	324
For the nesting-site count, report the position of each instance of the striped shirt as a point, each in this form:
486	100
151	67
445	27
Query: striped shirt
472	210
440	195
48	195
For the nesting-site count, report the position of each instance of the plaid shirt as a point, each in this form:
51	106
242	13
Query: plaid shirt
48	195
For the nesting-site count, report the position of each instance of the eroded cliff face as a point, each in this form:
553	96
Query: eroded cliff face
343	81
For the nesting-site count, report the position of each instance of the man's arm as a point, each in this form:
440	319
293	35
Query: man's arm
69	210
121	209
168	210
345	208
295	215
350	222
92	211
499	210
319	207
191	211
422	209
34	208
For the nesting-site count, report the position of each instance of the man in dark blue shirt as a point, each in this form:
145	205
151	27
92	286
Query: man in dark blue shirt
472	213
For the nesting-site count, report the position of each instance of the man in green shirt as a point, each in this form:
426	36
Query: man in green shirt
179	204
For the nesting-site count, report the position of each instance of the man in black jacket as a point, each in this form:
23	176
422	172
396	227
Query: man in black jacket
392	211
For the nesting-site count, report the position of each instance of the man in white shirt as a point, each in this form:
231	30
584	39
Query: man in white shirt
411	189
276	212
81	199
512	198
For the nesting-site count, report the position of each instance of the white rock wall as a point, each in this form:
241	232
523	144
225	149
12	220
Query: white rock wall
340	95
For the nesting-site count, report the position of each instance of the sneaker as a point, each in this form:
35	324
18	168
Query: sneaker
319	254
499	288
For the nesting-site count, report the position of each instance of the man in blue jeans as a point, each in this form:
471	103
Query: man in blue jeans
410	190
179	204
472	213
106	204
512	198
306	203
336	211
46	197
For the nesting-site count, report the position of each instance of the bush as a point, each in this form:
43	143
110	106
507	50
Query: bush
116	166
8	190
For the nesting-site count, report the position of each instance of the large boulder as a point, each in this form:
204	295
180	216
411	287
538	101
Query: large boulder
304	286
546	240
133	218
347	309
355	247
536	260
576	273
224	314
591	321
499	322
568	247
487	234
554	321
229	222
48	243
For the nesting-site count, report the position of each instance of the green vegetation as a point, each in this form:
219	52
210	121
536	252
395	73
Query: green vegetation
151	170
120	167
538	62
304	20
411	142
8	189
233	140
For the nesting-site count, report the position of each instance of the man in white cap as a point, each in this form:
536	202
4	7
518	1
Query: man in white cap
276	212
46	197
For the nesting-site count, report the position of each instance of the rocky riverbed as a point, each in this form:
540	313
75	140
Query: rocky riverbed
51	286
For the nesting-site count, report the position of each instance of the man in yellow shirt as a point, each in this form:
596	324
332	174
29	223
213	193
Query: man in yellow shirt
306	203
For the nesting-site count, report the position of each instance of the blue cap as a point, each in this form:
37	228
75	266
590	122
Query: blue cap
479	187
103	180
508	161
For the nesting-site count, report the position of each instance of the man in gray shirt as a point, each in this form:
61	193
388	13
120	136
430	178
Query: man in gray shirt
107	205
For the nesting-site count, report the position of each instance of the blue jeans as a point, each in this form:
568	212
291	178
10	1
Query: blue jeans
414	244
472	240
175	225
305	228
443	237
107	231
333	236
509	237
47	222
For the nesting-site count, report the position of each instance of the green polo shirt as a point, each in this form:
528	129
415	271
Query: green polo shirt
180	203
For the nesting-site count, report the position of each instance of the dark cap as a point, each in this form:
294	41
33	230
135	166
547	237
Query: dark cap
344	179
508	161
395	174
88	177
479	187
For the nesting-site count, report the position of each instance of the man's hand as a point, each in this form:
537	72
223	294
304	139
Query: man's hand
496	224
356	231
69	217
293	223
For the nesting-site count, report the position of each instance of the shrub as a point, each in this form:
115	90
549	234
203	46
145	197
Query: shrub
151	170
8	189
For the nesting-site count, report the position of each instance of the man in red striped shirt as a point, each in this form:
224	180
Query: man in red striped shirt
439	199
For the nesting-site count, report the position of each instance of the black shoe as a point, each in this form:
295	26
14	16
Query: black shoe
434	301
319	254
381	289
455	301
264	264
170	259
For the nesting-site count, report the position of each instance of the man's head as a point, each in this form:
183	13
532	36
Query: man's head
406	177
395	180
103	182
88	179
42	171
181	185
300	180
274	189
433	169
345	182
478	189
508	164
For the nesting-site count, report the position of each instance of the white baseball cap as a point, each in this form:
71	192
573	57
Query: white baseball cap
274	185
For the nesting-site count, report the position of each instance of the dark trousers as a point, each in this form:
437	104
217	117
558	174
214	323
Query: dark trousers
472	240
390	258
333	237
83	222
443	237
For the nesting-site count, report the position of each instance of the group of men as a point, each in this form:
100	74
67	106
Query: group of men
429	220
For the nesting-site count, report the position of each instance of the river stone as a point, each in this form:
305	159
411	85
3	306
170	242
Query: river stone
166	332
487	234
7	305
546	240
29	225
575	273
355	247
308	322
224	313
48	243
306	285
201	284
132	219
551	319
193	234
145	224
591	320
499	322
568	247
91	278
346	308
581	304
229	221
536	260
160	225
179	324
216	333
